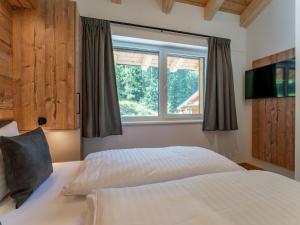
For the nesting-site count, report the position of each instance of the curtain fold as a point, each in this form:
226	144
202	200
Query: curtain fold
220	110
100	105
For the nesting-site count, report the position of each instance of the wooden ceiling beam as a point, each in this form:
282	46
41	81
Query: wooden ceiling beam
167	5
252	11
211	8
116	1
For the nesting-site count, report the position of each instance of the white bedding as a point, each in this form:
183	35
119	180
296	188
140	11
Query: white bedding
133	167
47	206
233	198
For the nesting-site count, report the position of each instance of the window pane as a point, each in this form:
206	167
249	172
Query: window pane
183	85
291	82
137	76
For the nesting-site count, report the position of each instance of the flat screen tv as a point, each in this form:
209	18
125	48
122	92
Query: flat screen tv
273	81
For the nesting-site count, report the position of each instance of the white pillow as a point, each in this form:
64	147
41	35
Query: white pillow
9	130
134	167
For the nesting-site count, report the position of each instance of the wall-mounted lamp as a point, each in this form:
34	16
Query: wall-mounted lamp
42	121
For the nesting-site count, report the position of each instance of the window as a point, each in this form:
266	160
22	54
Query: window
159	82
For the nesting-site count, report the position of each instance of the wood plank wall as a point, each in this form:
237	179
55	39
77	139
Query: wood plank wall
7	87
45	62
26	4
273	123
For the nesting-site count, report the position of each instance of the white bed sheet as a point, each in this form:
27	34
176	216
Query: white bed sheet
47	206
233	198
133	167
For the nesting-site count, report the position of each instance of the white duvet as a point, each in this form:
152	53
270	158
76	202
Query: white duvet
133	167
47	206
233	198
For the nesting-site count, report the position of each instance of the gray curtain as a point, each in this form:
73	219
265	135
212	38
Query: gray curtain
100	105
220	111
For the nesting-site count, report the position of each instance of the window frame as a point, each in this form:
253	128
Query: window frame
163	52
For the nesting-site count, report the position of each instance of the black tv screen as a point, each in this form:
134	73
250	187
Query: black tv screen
273	81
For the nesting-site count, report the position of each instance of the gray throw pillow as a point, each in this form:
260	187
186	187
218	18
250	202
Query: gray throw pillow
27	162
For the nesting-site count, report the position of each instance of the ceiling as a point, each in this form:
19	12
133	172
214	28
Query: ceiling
248	10
229	6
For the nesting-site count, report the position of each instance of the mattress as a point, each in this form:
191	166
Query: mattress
133	167
233	198
47	206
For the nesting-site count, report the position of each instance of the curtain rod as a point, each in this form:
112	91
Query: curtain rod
159	29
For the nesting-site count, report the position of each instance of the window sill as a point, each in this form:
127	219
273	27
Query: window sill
166	122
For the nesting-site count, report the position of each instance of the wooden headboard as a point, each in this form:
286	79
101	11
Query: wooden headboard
7	83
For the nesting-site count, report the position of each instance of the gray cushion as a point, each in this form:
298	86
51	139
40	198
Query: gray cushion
27	163
9	129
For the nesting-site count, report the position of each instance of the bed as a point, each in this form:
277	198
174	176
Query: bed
114	168
232	198
166	186
47	205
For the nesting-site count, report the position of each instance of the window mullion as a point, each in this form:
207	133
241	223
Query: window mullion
163	85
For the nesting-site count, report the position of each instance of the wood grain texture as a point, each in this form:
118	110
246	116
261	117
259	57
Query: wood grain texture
235	6
30	52
25	4
281	56
5	39
45	62
247	9
229	6
273	123
7	83
7	98
249	166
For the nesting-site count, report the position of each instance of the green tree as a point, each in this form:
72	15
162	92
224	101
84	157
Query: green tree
138	86
181	85
139	89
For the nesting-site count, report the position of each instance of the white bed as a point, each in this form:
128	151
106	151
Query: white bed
130	167
133	167
47	206
233	198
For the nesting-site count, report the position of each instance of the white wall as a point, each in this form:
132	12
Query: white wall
298	90
64	145
187	18
273	31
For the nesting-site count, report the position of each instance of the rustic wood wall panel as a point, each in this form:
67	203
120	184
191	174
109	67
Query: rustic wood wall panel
46	64
5	39
61	74
7	98
29	63
273	123
26	4
7	83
